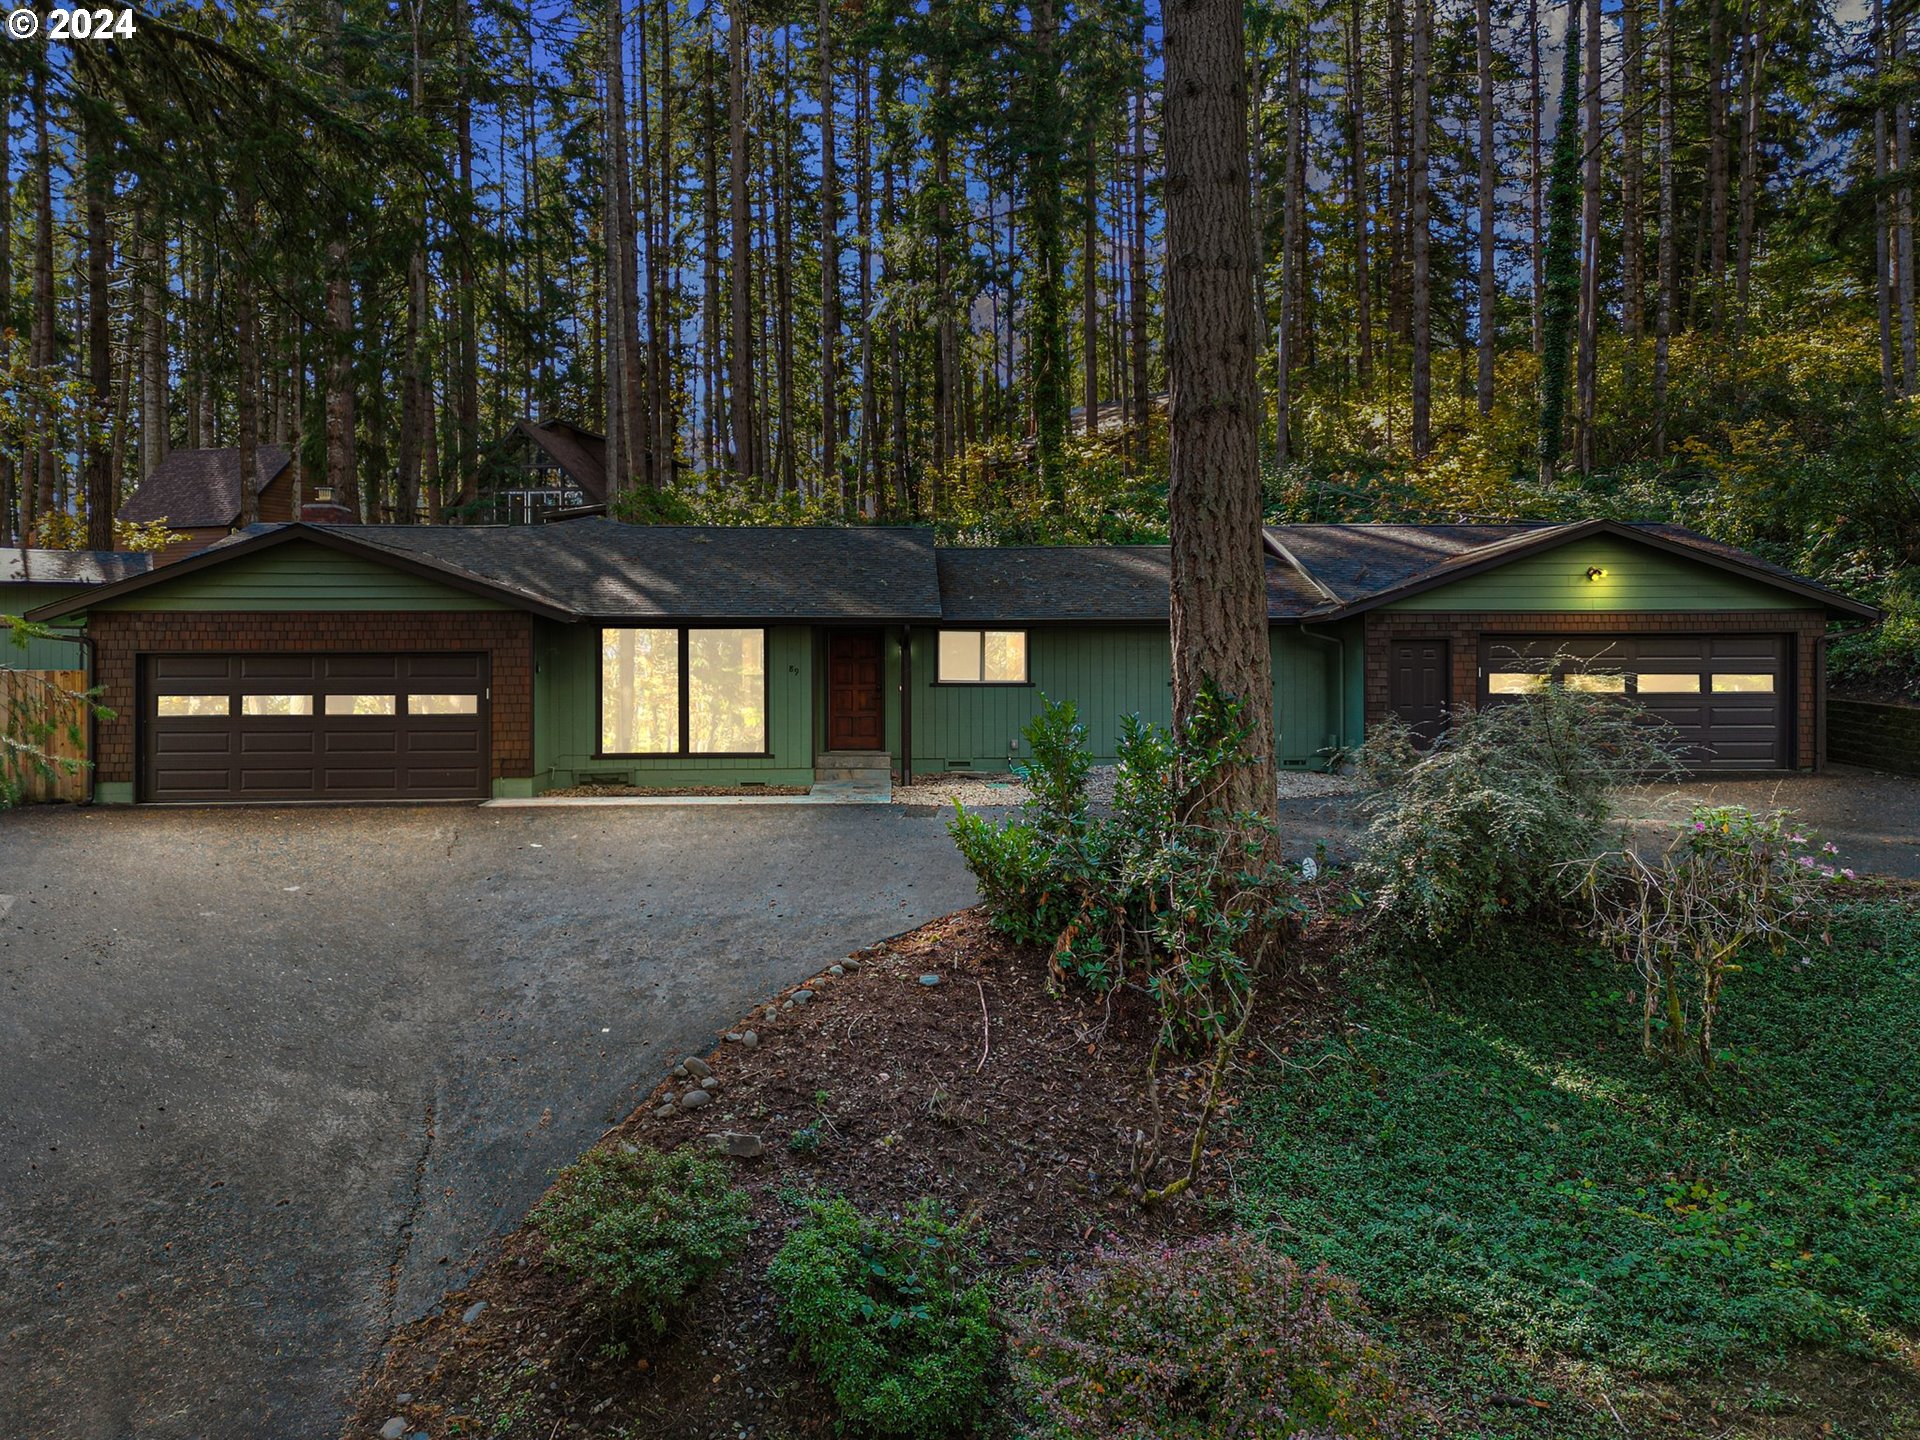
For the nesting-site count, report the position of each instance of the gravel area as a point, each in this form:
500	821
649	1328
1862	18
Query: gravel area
983	791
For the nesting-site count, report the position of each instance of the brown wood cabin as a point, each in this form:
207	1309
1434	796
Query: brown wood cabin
540	468
196	493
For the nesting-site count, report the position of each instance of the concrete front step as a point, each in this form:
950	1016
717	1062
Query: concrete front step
873	767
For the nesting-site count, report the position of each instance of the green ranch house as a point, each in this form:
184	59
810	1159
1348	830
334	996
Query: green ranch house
334	662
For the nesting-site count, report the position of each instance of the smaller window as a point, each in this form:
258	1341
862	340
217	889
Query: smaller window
276	704
1597	683
1669	684
175	706
443	704
359	704
983	657
1516	682
1743	684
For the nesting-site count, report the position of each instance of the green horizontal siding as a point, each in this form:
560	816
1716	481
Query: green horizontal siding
301	576
1110	673
37	654
566	722
1639	577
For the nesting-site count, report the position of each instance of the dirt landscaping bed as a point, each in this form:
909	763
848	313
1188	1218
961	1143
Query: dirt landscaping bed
1006	1102
596	791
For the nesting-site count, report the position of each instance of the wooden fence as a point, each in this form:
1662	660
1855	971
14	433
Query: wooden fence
24	694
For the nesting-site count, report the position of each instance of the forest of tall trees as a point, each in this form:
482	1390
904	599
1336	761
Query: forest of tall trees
903	259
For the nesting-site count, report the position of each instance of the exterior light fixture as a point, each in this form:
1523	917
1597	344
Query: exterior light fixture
1594	572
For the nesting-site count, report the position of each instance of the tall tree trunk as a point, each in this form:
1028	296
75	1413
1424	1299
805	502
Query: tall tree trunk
1586	372
744	459
1753	112
1218	592
1903	222
714	398
1137	280
830	476
1882	240
1046	257
1666	259
97	182
1717	158
154	377
1362	191
1420	199
468	418
1632	155
1398	209
1090	285
43	478
246	350
6	284
342	469
1536	176
1291	249
1483	37
1561	296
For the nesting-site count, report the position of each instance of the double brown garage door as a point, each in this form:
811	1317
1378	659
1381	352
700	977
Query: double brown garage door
313	727
1725	696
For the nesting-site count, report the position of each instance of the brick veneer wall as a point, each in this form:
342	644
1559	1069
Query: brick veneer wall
1882	735
120	637
1462	630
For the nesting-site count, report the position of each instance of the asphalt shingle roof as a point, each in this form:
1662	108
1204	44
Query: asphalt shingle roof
1356	561
597	567
70	567
1089	582
194	489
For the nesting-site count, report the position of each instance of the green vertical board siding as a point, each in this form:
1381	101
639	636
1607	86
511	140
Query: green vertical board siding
302	576
1108	673
38	654
566	720
1638	577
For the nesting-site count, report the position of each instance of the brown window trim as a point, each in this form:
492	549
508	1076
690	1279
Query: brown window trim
1026	657
683	753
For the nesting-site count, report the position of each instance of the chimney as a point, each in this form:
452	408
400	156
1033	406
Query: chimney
321	508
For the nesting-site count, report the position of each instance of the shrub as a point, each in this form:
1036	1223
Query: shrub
1216	1338
885	1310
1179	906
1730	880
1479	828
640	1229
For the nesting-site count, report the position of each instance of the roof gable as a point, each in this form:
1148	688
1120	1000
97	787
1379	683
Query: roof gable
200	489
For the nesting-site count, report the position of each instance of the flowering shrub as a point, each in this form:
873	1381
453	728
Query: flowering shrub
1478	828
641	1229
1730	880
1216	1338
885	1310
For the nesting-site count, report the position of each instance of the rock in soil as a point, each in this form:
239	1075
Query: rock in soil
698	1068
694	1099
393	1429
751	1039
666	1110
474	1312
929	980
802	997
740	1146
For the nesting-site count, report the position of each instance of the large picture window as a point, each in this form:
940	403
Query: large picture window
983	657
672	691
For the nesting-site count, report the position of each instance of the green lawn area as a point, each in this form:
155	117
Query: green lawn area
1496	1155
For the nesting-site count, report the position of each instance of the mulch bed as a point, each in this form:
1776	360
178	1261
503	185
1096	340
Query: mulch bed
1006	1101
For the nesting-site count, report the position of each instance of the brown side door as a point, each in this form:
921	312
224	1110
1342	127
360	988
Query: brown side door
220	728
1417	686
855	715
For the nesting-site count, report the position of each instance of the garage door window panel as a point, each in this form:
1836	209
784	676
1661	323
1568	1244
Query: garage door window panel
1752	684
360	705
184	707
270	705
443	704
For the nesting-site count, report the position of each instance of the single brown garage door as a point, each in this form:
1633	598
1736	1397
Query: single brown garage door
313	727
1726	696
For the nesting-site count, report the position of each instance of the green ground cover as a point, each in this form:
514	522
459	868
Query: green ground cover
1485	1147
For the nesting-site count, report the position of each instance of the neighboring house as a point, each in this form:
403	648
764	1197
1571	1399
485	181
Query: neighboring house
539	468
419	662
34	579
197	494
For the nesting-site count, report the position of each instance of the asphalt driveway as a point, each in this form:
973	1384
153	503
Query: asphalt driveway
271	1079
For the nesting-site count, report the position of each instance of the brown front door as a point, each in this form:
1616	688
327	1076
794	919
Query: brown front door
1417	689
853	691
